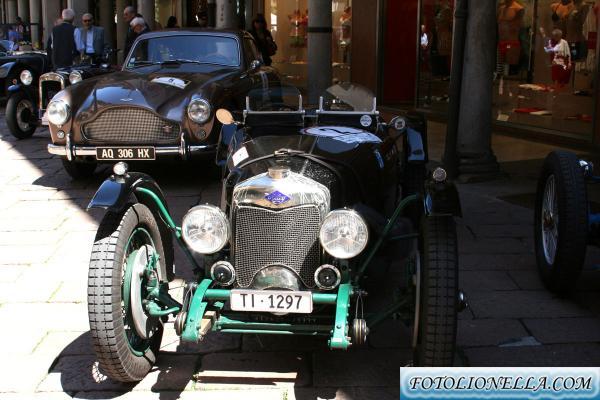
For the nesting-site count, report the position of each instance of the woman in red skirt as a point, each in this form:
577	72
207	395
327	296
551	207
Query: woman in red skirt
560	54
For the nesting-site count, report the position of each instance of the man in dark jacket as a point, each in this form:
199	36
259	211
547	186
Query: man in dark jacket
129	13
64	49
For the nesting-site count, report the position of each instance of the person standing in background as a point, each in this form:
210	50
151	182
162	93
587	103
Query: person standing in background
90	38
172	22
129	13
264	40
64	49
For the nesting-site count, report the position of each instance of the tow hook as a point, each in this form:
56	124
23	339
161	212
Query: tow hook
462	301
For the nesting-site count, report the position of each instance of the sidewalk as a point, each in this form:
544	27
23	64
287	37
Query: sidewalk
45	241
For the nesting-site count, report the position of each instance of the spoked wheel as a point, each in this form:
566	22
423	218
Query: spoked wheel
126	255
20	116
436	307
561	219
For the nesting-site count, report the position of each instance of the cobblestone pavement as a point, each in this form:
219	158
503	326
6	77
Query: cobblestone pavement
45	241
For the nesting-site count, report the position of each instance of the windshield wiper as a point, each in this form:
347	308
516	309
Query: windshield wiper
143	62
180	61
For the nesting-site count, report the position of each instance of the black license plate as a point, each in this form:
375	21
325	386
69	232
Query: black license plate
125	153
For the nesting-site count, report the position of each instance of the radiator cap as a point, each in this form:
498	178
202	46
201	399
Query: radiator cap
279	172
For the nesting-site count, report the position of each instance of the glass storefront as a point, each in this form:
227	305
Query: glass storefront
546	63
288	22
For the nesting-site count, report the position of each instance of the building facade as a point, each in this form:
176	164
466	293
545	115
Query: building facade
544	80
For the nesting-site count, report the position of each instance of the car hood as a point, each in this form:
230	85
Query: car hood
164	92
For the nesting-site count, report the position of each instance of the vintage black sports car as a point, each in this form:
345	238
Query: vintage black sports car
161	104
565	222
28	99
12	63
314	236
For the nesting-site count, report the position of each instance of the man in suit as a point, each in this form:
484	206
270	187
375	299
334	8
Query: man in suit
129	13
90	38
64	49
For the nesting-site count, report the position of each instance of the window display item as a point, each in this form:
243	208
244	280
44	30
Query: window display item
510	20
575	30
560	13
298	30
560	54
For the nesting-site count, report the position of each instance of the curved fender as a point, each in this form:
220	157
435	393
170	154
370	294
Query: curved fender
442	199
116	193
6	68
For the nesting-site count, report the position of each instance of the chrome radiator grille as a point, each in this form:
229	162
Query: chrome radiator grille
287	237
131	125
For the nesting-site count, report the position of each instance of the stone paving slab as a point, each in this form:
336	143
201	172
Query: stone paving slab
489	332
564	330
565	355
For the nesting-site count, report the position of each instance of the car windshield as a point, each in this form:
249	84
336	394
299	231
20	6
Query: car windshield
278	98
348	97
200	49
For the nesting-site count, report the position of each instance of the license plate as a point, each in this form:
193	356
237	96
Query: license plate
125	153
271	301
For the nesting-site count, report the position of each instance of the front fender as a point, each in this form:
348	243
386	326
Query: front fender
442	199
28	90
6	68
116	193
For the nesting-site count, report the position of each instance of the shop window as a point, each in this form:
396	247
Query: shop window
545	62
288	22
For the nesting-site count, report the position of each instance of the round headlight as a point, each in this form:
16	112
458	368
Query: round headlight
26	77
205	229
75	77
344	234
199	111
58	112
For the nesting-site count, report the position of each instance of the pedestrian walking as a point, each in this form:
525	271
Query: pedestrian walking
264	40
139	26
89	38
64	49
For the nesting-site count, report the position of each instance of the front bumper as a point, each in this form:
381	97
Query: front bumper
71	151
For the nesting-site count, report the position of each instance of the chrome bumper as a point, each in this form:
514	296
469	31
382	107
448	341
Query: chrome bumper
81	151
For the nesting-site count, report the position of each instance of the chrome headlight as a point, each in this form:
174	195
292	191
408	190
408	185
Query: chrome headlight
26	77
344	234
205	229
199	111
58	112
75	77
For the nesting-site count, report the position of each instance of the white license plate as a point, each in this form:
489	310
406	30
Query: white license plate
271	301
125	153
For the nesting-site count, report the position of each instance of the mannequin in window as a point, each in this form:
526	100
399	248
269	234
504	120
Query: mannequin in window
560	13
510	21
346	34
560	54
298	29
575	22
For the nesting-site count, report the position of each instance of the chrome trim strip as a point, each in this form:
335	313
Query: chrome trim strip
80	151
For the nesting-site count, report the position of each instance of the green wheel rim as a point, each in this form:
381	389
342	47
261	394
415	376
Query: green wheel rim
138	238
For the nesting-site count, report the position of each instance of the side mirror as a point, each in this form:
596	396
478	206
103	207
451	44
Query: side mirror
225	117
254	65
398	123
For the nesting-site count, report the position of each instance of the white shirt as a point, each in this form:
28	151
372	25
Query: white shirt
88	46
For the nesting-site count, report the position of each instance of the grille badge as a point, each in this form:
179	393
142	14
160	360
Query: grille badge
277	198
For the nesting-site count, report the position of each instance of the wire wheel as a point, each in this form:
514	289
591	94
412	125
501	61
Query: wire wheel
549	225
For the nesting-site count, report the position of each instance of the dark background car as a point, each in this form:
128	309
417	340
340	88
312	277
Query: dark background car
161	104
12	63
28	98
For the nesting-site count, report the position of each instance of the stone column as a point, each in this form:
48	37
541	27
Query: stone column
11	11
50	12
23	10
319	48
226	17
35	17
211	6
474	145
107	21
248	15
121	29
80	7
146	8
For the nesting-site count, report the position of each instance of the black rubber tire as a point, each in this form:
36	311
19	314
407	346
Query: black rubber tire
436	341
11	116
79	170
571	194
105	312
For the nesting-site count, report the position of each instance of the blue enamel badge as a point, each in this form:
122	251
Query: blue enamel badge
277	198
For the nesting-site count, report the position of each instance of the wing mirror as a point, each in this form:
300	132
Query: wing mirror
225	117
